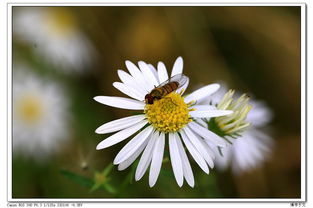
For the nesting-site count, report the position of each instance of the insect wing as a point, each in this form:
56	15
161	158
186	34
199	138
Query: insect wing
180	78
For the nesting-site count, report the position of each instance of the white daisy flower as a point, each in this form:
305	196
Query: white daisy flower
248	146
39	116
55	36
171	117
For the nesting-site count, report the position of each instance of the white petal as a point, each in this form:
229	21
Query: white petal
213	150
209	113
209	149
130	81
177	67
119	124
148	74
194	153
132	158
137	75
186	165
162	72
121	135
129	91
241	157
157	158
202	122
133	145
183	88
146	157
199	146
202	93
176	159
120	102
154	71
206	134
254	153
260	114
263	140
204	107
222	161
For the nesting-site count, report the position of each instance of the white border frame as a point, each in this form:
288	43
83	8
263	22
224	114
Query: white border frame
85	200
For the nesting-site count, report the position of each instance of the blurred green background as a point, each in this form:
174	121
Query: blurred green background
252	49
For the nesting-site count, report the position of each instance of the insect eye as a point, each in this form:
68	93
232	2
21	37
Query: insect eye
150	100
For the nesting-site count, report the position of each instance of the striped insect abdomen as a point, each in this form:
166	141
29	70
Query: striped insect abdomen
169	87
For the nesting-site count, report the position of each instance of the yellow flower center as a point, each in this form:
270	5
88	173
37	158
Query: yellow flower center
29	109
60	21
168	114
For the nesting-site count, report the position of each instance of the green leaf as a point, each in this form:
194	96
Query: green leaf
109	188
95	187
107	170
82	180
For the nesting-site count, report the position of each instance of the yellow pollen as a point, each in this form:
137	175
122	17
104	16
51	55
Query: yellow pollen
29	109
168	114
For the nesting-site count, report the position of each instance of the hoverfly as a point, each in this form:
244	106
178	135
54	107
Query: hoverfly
166	88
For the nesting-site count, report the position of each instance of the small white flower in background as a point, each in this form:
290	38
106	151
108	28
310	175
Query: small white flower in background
39	116
171	117
54	34
248	145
